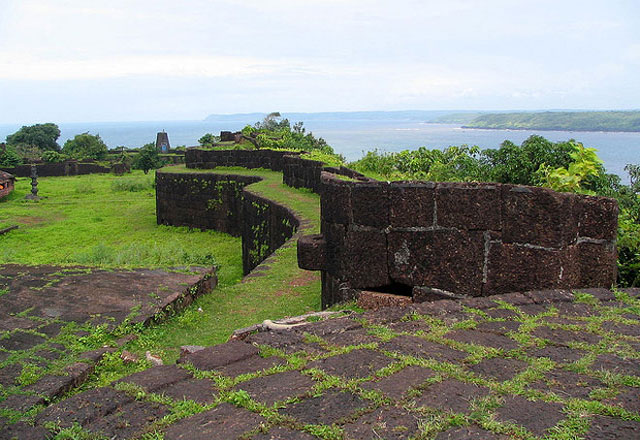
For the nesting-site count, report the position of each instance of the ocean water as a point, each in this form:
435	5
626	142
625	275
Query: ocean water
352	138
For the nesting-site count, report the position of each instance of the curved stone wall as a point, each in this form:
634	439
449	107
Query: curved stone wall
470	239
221	202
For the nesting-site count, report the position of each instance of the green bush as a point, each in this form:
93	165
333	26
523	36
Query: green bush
53	157
132	184
85	146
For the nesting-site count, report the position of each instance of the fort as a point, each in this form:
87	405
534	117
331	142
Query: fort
414	239
502	322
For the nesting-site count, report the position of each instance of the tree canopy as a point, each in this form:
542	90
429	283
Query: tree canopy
42	136
85	146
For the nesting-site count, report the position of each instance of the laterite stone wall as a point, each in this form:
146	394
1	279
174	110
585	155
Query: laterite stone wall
58	169
221	202
470	239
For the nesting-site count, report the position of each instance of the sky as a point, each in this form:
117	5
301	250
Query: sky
139	60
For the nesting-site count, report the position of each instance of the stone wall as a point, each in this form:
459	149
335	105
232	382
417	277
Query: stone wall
269	159
221	202
70	168
458	239
296	171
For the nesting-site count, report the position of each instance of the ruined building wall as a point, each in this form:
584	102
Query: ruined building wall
70	168
470	239
297	172
221	202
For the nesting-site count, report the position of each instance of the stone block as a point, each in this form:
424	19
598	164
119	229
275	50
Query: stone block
468	206
441	259
375	300
597	264
512	268
538	216
411	204
335	203
364	262
370	204
597	217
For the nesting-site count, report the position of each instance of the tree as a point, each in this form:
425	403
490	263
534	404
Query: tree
8	156
148	158
41	136
85	146
209	140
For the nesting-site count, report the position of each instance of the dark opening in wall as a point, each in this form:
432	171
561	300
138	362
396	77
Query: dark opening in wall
394	289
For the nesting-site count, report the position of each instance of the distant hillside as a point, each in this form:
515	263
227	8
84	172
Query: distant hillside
402	116
562	121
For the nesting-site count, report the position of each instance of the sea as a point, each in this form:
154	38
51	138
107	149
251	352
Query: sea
353	137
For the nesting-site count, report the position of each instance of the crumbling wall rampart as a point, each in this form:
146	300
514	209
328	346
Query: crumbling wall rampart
221	202
297	172
70	168
470	239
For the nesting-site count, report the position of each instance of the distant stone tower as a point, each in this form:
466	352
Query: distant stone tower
162	142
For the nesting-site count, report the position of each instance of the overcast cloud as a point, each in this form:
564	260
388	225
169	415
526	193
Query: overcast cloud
71	60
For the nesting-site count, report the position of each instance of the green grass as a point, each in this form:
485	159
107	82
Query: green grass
108	221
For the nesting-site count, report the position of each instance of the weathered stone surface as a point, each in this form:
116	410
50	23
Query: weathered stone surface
567	384
199	390
469	433
389	423
277	387
451	395
221	423
500	369
335	204
483	338
329	408
538	216
289	342
469	206
597	263
212	358
312	252
617	364
512	266
85	407
397	385
563	337
370	202
129	420
445	259
21	341
628	398
538	417
352	365
365	259
156	378
597	217
375	300
23	431
499	327
279	433
412	204
559	354
415	346
608	428
251	365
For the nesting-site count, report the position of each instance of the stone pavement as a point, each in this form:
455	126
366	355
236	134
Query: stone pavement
48	315
553	364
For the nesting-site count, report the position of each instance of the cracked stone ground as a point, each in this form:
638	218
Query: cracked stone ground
553	364
49	315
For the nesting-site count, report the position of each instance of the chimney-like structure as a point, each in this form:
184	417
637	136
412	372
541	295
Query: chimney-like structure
162	142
